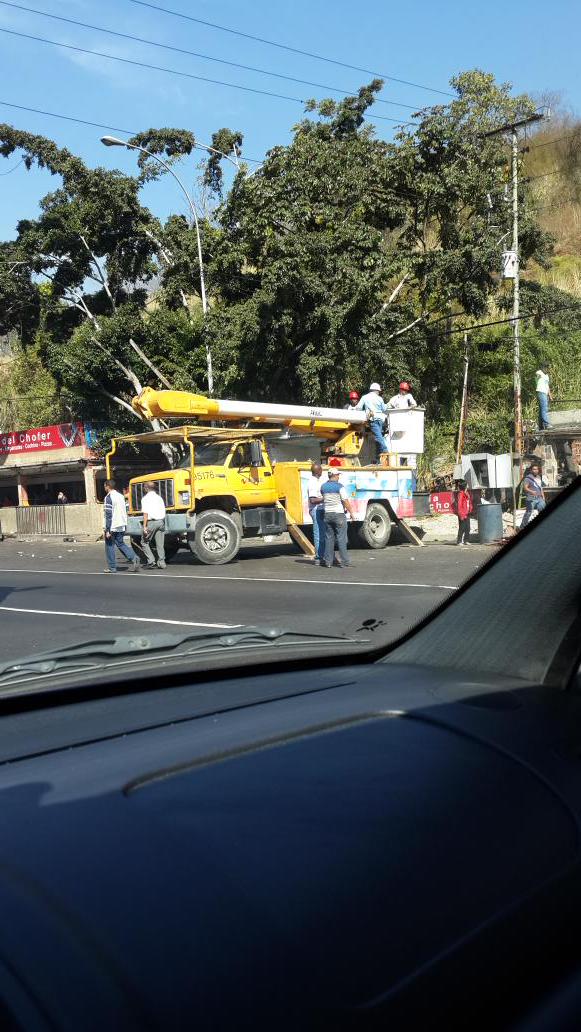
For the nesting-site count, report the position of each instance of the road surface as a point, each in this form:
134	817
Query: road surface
54	593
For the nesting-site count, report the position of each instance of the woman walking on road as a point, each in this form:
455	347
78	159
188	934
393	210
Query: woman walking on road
464	506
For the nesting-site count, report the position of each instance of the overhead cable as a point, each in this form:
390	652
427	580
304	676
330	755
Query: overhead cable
292	50
169	71
194	53
96	125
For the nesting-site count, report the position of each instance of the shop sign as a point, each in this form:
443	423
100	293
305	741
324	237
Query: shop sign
442	501
43	438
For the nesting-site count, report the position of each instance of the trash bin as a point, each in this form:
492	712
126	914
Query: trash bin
489	523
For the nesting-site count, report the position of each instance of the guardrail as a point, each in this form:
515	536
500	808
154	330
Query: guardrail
41	520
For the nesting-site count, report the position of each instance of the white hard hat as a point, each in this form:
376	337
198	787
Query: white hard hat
375	387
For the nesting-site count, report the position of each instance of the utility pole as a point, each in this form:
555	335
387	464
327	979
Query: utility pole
518	434
464	408
512	271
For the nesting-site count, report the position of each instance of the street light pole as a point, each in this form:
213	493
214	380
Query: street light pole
113	141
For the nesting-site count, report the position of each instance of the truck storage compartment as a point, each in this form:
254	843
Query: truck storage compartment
264	519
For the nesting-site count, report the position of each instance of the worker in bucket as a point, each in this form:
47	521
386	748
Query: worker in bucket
353	401
404	398
374	406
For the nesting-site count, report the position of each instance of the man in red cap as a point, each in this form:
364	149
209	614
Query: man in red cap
404	399
353	399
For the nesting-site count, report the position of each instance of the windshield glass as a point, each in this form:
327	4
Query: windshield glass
207	455
366	318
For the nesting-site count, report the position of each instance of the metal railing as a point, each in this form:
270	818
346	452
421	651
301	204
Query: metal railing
41	520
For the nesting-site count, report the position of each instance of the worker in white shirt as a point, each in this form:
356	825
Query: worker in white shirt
404	399
153	508
373	404
543	396
316	511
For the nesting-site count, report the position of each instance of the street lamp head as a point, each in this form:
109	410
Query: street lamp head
112	141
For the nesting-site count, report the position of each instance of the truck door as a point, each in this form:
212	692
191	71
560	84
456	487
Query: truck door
253	485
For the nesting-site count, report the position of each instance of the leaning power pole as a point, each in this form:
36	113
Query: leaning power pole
512	270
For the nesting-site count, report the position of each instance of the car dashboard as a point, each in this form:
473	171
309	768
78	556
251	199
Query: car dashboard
355	847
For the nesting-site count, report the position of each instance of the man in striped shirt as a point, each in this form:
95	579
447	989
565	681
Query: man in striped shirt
115	516
337	505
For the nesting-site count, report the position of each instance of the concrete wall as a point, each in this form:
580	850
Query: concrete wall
81	520
85	519
564	417
8	521
48	456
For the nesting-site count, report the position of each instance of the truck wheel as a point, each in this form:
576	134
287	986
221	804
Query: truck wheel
217	537
171	547
375	530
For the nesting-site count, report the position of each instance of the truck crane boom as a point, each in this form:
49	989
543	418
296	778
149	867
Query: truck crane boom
152	404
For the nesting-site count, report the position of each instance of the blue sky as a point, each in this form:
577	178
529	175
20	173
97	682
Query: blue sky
527	42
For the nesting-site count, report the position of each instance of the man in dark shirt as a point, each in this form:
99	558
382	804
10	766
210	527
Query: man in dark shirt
533	491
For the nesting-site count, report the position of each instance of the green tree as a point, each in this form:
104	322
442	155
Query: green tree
33	396
300	263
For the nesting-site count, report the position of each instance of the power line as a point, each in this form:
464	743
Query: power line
168	71
292	50
194	53
96	125
510	319
13	169
558	139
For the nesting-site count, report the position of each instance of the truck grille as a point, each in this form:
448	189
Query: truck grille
164	487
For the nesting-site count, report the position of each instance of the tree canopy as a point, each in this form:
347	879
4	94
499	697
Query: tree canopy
341	259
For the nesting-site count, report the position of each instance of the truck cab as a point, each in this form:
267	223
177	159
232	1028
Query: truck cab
221	489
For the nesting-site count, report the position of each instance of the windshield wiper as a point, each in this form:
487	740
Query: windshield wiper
92	654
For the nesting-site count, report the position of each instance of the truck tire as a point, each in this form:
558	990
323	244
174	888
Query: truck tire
375	530
217	537
171	548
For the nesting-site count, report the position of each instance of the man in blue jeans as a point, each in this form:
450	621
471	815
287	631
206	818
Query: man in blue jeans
533	491
316	511
373	404
543	396
337	505
115	514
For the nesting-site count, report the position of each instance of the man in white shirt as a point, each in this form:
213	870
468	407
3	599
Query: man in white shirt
373	404
316	512
543	396
404	399
115	520
153	508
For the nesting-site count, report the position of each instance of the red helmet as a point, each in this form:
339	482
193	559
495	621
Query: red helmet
353	395
404	386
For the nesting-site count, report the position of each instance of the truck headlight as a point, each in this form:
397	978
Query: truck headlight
185	497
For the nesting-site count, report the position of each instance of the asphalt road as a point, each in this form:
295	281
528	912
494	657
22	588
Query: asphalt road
54	593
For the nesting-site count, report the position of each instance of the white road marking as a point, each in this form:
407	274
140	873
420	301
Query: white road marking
315	582
109	616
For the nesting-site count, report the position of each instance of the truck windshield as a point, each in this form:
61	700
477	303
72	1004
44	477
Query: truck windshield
210	454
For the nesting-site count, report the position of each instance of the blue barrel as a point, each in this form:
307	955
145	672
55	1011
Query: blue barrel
489	523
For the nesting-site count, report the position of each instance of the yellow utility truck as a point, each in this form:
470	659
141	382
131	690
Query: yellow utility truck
229	482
